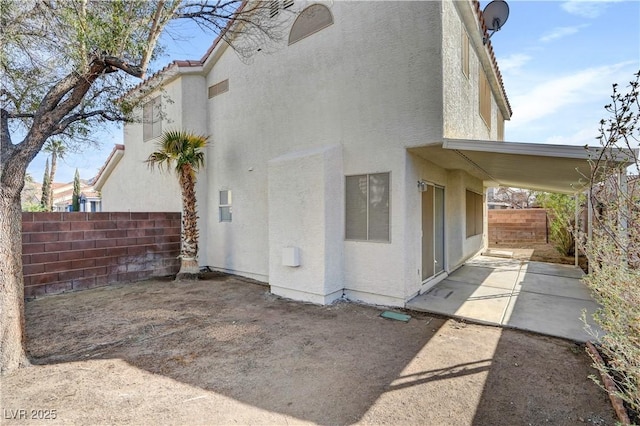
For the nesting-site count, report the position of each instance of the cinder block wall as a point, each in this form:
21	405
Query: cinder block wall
517	226
73	251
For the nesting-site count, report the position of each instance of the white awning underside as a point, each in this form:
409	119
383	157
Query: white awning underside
553	168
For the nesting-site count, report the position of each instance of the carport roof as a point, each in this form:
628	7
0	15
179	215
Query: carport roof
543	167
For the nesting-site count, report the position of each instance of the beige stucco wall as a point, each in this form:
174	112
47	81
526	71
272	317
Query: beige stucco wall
132	186
371	91
350	99
460	93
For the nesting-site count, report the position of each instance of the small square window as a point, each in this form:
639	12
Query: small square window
225	205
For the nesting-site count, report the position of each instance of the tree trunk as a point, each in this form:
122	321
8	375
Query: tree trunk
189	250
12	337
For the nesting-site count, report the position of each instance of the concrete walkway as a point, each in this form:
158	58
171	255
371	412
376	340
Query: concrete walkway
542	297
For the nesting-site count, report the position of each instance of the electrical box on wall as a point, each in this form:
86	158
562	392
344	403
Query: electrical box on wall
291	256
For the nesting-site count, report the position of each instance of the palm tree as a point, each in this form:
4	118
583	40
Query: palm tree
185	149
57	150
46	189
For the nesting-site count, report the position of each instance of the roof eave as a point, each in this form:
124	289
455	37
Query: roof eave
114	158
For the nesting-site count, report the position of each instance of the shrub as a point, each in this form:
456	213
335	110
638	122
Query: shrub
613	248
561	211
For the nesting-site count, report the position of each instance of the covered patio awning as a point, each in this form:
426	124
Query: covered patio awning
553	168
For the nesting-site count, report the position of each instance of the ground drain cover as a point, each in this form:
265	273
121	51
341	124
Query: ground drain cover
395	316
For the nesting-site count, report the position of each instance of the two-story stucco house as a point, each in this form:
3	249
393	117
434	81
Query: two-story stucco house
341	163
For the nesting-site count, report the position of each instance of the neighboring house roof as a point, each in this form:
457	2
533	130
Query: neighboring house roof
63	192
175	65
114	158
31	193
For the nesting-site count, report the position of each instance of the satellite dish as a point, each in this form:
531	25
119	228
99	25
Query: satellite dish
495	15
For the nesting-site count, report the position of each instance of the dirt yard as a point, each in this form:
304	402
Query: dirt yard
226	351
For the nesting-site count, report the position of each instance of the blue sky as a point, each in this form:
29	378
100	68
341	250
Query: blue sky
558	61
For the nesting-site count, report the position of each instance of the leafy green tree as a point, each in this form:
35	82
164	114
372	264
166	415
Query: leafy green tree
66	66
56	150
75	202
184	151
46	189
29	198
613	248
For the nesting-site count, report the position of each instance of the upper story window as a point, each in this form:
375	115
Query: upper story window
311	20
484	90
152	119
465	53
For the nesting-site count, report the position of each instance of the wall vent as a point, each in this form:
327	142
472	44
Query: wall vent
219	88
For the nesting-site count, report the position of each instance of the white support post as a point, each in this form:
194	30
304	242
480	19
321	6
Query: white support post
623	213
576	199
589	220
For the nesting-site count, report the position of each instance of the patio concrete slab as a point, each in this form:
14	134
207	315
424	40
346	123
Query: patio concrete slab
495	262
554	269
534	296
553	285
486	276
464	300
550	314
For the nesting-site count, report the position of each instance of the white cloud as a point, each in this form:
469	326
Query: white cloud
566	94
587	8
560	32
585	136
513	63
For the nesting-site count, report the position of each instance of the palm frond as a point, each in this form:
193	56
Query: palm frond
179	148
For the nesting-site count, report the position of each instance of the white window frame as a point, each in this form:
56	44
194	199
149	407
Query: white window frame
222	206
368	216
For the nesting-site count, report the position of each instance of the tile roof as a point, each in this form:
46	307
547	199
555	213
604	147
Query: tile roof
483	25
203	60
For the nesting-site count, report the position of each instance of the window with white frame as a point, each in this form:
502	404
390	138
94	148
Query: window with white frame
225	205
152	119
367	207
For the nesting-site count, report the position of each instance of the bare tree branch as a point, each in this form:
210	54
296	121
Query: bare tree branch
64	124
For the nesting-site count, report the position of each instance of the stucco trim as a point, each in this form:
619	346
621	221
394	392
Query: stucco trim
537	149
112	161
